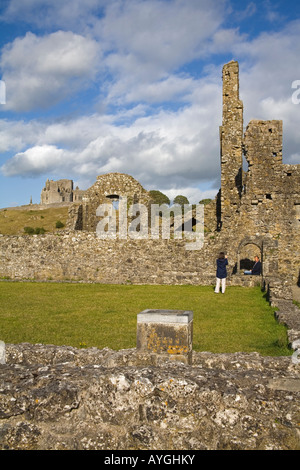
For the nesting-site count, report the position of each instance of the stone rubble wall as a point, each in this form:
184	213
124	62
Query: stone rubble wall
83	256
109	185
62	398
280	296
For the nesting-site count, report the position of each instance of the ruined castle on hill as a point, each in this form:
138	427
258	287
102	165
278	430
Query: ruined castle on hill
256	212
56	192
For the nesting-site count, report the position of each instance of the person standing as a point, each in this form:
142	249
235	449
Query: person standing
221	274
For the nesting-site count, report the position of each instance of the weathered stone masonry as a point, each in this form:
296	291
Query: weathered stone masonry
259	206
82	256
68	399
60	191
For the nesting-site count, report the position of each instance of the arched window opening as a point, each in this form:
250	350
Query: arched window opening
247	254
115	199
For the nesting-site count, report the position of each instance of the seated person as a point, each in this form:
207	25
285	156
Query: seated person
256	270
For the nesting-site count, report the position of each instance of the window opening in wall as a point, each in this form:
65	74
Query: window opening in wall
116	204
115	199
297	207
245	163
246	256
268	196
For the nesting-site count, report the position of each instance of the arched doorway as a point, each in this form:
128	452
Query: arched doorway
248	249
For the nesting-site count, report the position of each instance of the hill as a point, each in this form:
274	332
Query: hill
13	220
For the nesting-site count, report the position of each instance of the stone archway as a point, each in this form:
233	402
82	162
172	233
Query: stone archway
111	188
247	250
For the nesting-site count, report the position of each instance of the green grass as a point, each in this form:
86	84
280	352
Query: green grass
296	303
13	221
105	315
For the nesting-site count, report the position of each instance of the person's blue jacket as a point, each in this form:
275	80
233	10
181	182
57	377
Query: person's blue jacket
256	270
221	268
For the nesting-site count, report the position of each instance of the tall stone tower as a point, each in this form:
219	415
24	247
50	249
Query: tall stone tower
231	143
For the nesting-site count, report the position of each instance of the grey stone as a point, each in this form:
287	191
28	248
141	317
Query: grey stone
62	398
2	352
165	316
166	333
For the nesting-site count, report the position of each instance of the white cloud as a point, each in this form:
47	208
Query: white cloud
17	135
160	32
268	67
167	149
147	42
139	46
173	87
34	161
39	71
68	14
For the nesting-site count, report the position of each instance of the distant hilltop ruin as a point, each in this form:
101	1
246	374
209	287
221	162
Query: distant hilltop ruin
56	192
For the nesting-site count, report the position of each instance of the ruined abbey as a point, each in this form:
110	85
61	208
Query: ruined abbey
256	212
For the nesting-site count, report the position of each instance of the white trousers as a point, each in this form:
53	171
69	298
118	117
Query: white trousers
217	289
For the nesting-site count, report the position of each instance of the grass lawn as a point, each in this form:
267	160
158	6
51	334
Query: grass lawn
13	221
105	315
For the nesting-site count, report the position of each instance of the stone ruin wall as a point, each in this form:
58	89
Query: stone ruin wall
231	140
82	256
62	398
272	195
108	188
57	191
260	205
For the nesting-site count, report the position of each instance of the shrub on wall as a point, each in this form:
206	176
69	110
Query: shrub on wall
59	224
34	231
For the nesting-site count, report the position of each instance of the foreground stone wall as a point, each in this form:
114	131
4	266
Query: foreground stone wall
64	398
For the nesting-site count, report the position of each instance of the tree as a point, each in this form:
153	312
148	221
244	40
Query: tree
159	198
181	200
205	201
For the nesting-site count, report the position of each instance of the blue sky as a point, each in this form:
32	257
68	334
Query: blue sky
134	86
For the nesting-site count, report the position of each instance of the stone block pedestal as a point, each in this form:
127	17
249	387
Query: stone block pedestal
166	333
